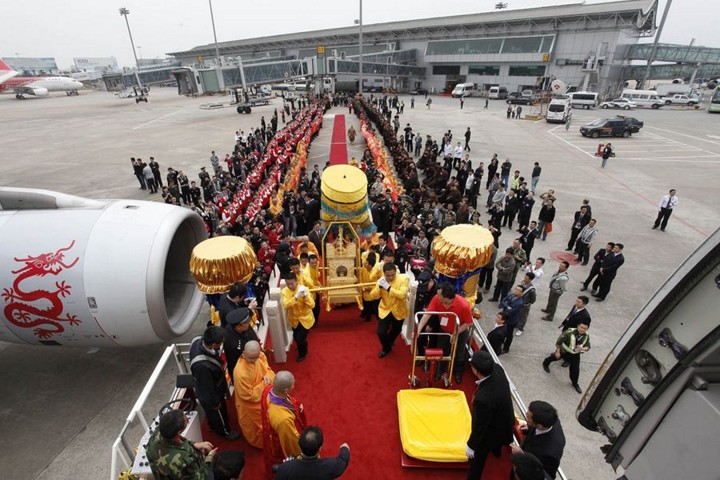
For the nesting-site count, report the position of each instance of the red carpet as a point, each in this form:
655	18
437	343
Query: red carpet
338	147
351	395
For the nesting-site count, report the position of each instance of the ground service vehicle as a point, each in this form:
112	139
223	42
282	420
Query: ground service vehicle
644	98
498	93
465	90
714	106
611	127
623	103
584	100
515	98
669	89
559	110
681	100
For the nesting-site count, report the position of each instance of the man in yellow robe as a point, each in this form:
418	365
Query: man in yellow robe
369	273
392	290
283	418
250	377
298	302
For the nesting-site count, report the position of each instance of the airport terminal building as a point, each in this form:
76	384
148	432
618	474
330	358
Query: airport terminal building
583	45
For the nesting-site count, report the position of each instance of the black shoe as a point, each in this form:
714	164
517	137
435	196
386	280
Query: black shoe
382	353
593	292
494	300
546	367
584	263
654	227
232	435
301	358
599	299
544	311
584	287
577	388
458	378
568	249
565	364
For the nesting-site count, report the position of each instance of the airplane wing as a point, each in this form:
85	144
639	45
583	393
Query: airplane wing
37	91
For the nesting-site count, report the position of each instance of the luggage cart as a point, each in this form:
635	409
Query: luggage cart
432	355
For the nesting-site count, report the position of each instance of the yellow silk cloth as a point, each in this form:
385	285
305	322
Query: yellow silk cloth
249	386
218	262
434	424
461	249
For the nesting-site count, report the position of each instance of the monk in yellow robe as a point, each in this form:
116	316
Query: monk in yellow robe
250	377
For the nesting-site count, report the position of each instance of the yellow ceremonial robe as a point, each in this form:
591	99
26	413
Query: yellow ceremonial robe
366	277
299	310
249	386
395	300
282	421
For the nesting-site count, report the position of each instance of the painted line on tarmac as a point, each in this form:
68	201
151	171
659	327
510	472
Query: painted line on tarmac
686	135
688	159
143	125
628	187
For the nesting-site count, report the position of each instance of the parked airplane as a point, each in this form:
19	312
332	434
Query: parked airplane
36	86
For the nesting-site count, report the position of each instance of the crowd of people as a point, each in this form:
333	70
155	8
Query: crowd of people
441	185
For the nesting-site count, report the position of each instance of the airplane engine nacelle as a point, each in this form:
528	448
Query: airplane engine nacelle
40	92
85	272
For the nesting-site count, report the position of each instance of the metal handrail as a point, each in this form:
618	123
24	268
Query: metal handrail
480	337
123	454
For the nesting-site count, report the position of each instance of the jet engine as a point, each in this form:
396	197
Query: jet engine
40	92
82	272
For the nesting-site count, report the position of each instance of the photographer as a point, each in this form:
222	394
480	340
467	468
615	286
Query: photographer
234	299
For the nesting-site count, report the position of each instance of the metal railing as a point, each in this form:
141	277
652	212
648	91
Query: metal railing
124	448
481	339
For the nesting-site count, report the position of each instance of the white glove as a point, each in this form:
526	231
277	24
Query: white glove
303	290
298	292
382	283
469	452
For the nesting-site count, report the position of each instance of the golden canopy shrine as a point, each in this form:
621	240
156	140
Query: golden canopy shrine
344	198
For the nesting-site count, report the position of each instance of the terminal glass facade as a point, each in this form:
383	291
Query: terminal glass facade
534	44
526	70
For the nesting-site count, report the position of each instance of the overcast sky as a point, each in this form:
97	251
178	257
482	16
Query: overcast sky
94	28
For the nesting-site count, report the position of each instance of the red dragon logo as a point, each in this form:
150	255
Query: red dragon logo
19	309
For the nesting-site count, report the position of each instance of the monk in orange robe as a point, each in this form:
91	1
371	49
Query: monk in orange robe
250	377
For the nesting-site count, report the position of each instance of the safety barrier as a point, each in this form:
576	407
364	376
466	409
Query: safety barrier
481	339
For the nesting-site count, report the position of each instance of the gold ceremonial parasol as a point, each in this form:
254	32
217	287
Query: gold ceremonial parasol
219	262
461	249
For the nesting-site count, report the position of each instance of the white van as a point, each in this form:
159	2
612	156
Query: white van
464	90
498	93
559	110
644	98
584	100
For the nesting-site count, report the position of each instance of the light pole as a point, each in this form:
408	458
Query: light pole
360	69
217	49
125	12
140	51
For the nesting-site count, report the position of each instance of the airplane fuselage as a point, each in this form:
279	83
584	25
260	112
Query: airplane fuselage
41	86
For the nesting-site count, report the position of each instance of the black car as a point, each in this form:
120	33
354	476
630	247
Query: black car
612	127
419	91
516	98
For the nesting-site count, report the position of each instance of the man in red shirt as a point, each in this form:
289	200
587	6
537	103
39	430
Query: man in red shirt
446	300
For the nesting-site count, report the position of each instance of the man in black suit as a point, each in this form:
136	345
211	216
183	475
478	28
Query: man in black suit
578	314
582	218
309	465
492	413
527	240
315	236
233	299
497	335
595	269
608	271
544	436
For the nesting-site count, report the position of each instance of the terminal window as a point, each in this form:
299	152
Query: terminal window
446	70
526	70
493	70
